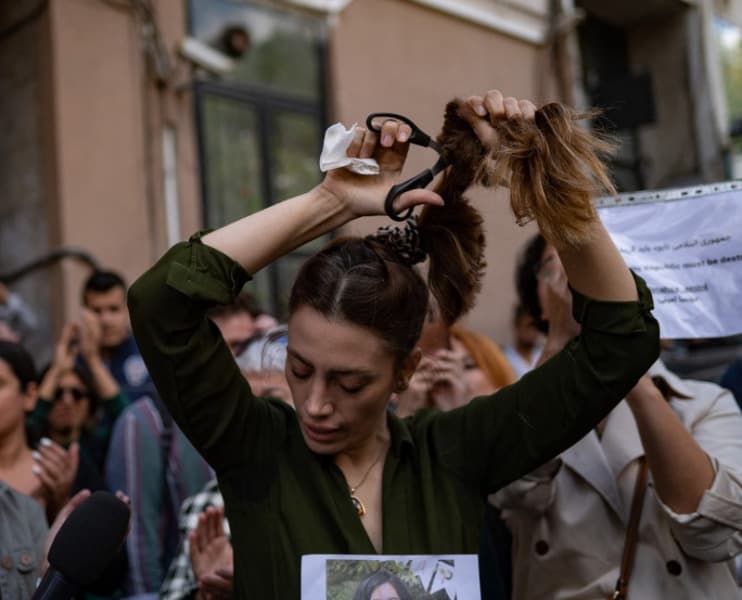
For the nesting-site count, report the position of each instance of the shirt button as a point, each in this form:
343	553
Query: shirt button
541	547
674	568
6	563
26	559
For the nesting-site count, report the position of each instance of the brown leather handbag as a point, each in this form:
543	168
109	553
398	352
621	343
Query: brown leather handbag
632	532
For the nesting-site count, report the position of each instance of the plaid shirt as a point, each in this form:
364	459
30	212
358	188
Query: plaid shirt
180	582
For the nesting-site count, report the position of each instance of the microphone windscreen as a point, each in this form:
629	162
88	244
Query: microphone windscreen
89	538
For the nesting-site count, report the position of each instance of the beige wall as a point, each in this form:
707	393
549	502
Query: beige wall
107	115
401	57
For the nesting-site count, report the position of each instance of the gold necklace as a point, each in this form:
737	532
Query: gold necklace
357	504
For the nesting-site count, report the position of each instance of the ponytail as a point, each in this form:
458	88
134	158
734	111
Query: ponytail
552	167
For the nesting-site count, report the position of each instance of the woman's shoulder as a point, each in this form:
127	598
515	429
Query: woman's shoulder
14	504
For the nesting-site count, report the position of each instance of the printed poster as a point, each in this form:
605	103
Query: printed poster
390	577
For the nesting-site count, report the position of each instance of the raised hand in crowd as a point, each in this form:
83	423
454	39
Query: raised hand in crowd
439	382
556	304
65	354
89	329
449	385
211	555
416	394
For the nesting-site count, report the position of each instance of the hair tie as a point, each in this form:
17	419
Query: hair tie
404	241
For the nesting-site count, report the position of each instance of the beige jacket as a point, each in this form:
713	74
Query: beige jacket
568	518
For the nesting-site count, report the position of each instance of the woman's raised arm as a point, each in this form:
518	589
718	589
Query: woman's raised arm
258	239
187	358
594	266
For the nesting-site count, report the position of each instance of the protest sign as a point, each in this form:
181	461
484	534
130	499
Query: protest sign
687	245
345	577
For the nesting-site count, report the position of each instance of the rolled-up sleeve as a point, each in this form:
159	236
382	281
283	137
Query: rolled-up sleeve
192	367
714	531
497	439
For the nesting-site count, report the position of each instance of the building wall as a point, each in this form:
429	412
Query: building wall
108	115
682	146
91	175
406	58
24	228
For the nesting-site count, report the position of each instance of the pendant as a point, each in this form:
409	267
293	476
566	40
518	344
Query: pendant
358	505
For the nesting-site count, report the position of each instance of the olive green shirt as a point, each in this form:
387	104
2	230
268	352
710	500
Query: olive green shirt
283	501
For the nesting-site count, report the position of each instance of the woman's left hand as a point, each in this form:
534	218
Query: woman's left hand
483	112
365	194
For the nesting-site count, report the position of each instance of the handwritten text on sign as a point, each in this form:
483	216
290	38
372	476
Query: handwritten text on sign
689	251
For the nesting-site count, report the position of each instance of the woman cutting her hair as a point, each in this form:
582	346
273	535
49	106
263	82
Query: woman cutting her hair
340	475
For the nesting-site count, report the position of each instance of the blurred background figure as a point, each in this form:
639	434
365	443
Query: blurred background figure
241	321
457	365
153	463
236	321
528	341
107	336
76	404
667	459
264	361
17	320
48	472
732	379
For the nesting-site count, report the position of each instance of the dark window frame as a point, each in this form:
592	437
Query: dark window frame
267	103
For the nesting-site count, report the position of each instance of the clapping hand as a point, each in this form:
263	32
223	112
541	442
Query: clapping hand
56	469
211	555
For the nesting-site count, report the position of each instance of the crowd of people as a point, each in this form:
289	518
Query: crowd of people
572	461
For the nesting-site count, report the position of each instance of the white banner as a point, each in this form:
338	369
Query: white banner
687	245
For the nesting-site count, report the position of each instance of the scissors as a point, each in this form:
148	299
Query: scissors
418	137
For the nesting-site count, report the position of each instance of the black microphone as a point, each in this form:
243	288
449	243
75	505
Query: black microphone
86	543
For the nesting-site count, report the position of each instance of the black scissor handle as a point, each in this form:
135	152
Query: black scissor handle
418	181
417	137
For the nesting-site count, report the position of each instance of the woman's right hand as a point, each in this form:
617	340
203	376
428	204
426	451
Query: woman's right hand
364	195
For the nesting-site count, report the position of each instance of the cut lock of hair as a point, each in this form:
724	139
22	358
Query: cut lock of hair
553	168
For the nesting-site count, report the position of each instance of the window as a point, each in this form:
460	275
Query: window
261	125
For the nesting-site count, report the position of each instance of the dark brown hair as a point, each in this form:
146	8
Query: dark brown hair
526	282
365	282
552	167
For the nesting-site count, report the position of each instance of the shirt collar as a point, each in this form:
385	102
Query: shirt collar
400	433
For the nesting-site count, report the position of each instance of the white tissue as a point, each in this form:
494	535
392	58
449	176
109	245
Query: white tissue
337	140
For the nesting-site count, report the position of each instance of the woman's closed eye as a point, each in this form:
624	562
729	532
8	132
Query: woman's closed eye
352	386
301	372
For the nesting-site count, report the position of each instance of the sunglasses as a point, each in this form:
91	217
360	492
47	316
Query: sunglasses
76	393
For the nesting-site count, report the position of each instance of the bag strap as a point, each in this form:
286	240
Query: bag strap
632	532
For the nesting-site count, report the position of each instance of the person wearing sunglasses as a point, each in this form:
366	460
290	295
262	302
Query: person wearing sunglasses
340	474
72	399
